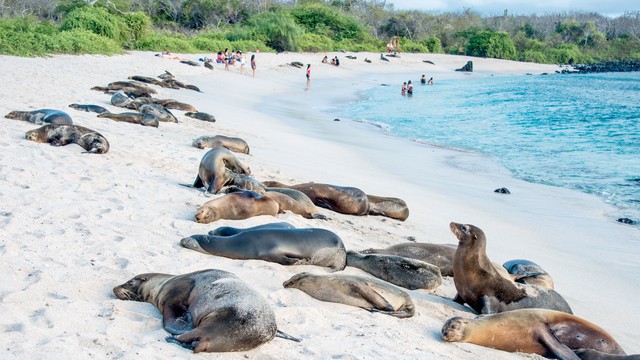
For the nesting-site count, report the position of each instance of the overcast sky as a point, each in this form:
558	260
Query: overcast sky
520	7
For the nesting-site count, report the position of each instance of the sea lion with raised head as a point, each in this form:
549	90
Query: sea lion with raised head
440	255
133	118
232	143
312	246
212	174
236	206
208	310
345	200
228	230
63	134
388	206
364	292
549	333
401	271
41	116
88	108
481	286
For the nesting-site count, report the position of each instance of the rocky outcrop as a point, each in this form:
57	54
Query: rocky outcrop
606	66
468	67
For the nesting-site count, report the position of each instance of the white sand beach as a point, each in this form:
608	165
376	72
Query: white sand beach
74	225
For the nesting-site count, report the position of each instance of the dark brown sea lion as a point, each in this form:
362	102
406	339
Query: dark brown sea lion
295	201
480	285
590	354
401	271
232	143
62	134
364	292
133	118
88	108
283	246
144	79
388	206
345	200
236	206
440	255
41	116
201	116
528	272
549	333
228	230
209	310
212	174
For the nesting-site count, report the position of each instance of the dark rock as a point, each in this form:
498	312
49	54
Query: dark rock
468	67
628	221
336	119
502	191
605	66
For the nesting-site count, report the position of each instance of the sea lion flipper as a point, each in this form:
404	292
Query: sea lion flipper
558	349
459	299
379	303
198	182
173	340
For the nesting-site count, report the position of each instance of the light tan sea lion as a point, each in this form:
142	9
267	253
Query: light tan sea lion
549	333
295	201
212	174
480	285
133	118
209	310
41	116
236	206
345	200
172	104
364	292
388	206
63	134
232	143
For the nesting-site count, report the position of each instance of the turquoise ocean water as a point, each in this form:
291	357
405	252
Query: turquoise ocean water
575	131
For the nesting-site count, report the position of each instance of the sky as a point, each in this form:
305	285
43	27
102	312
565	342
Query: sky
520	7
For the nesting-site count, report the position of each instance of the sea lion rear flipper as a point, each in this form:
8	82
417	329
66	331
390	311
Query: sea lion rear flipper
555	347
176	319
173	340
458	299
283	335
379	303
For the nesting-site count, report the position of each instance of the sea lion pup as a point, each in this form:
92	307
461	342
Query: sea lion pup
236	206
228	230
63	134
201	116
232	143
88	108
405	272
41	116
479	284
440	255
211	172
549	333
133	118
295	201
311	246
364	292
528	272
388	206
120	99
173	104
158	111
345	200
208	310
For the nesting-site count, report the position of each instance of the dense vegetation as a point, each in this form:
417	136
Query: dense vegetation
39	27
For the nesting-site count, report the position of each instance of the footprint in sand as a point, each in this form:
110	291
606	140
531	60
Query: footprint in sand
16	327
40	318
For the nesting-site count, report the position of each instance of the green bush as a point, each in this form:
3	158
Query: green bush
79	41
136	28
316	43
567	53
433	44
278	30
321	19
487	43
94	19
534	56
166	42
409	46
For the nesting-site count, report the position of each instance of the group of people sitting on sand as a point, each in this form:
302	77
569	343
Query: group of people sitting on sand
335	61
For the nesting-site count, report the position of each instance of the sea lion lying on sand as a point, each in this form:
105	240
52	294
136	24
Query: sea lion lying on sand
133	118
41	116
345	200
63	134
212	174
388	206
401	271
440	255
236	206
232	143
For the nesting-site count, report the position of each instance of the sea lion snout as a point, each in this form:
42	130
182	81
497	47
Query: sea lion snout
192	244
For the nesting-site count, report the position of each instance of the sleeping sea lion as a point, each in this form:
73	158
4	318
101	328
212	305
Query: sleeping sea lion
89	108
236	206
212	174
345	200
63	134
232	143
41	116
133	118
401	271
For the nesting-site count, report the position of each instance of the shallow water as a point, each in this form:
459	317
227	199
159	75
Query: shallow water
575	131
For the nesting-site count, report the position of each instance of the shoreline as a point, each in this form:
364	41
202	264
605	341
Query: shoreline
75	225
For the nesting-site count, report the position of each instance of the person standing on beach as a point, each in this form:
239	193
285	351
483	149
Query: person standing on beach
241	60
253	64
308	75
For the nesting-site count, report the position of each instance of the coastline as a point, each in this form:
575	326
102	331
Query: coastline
137	213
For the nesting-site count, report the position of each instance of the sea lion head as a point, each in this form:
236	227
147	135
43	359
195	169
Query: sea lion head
193	243
34	135
454	329
134	289
466	234
12	115
199	143
206	214
297	281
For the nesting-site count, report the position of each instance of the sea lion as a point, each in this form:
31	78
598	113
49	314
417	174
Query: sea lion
208	310
405	272
63	134
236	206
228	230
212	174
192	87
239	182
172	104
144	79
549	333
158	111
89	108
440	255
283	246
201	116
345	200
232	143
295	201
528	272
364	292
590	354
388	206
41	116
120	99
479	284
133	118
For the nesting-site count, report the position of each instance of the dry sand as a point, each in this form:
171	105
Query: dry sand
74	225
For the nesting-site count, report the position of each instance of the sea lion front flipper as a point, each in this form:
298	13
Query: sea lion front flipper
198	182
379	303
555	347
176	318
459	299
319	217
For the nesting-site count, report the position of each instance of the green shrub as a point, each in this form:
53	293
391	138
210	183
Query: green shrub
315	43
136	27
433	44
166	42
79	41
534	56
493	44
278	30
94	19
